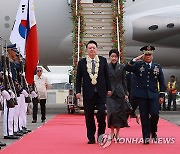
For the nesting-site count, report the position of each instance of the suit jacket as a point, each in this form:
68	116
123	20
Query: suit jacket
118	80
146	85
83	79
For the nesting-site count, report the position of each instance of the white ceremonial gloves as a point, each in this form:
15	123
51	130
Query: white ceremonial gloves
24	92
33	94
6	95
12	94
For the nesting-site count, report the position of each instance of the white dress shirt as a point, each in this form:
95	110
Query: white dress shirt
42	85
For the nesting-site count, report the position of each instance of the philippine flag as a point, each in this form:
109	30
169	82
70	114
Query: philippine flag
24	34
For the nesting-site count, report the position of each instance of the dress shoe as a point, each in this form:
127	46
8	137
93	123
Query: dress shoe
117	139
154	136
111	137
34	121
91	142
26	129
11	137
146	141
43	121
2	144
23	131
18	134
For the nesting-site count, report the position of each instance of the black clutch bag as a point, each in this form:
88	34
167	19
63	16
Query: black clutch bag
1	107
28	99
10	103
35	100
129	108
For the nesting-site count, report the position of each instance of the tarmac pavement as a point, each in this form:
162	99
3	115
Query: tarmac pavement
53	109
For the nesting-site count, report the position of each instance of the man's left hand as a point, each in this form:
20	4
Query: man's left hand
109	93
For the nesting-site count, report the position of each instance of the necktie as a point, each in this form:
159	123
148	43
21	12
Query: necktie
148	65
93	67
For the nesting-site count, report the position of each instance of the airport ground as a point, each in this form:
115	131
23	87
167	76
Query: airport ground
53	109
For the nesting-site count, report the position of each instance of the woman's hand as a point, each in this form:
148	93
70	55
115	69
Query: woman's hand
126	98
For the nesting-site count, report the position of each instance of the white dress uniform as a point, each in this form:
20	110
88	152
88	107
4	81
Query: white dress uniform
23	109
16	116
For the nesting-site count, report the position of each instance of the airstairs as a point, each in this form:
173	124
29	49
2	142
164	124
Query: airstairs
98	25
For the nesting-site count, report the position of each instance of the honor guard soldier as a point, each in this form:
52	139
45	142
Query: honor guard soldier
20	109
8	102
148	74
1	100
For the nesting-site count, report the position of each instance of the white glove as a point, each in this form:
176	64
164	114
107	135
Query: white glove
24	92
33	94
12	93
6	95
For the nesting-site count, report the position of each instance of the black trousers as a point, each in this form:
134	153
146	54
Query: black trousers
134	104
149	114
43	109
89	107
171	98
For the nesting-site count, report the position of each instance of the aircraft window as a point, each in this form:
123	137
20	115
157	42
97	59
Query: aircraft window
170	25
6	25
153	27
7	18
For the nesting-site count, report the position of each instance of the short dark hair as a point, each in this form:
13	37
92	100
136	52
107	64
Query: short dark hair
172	76
91	42
114	51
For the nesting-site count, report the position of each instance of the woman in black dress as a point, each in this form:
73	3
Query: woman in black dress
116	108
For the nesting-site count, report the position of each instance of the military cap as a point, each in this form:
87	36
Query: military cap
147	49
12	47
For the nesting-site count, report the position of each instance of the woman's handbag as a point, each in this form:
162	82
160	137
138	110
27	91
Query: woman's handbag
129	108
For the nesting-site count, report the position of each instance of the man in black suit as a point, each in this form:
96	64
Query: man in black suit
93	77
148	74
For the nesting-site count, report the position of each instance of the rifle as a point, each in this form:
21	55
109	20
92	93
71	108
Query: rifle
24	82
6	83
32	88
11	82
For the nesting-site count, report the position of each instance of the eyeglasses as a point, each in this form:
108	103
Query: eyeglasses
148	54
39	70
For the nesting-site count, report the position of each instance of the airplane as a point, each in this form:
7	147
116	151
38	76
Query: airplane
146	22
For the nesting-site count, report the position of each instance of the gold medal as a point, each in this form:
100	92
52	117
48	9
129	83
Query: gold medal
93	81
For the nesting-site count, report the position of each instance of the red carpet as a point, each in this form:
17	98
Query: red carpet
66	134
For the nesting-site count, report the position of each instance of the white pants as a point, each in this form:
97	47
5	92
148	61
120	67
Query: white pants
1	101
23	111
8	120
16	116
